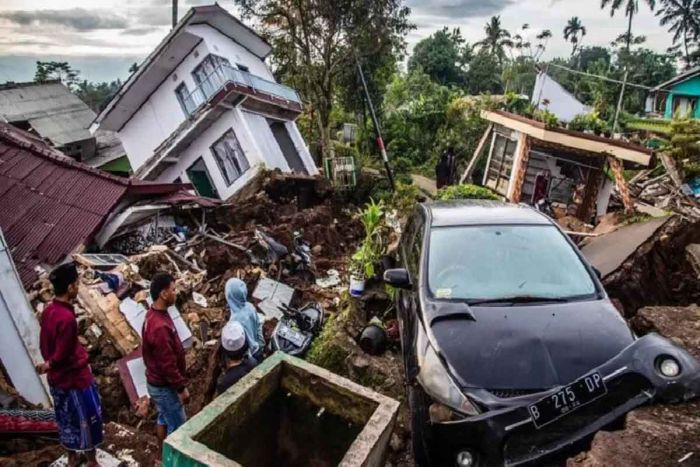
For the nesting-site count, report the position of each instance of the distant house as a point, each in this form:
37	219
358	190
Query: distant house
51	111
204	108
678	96
549	94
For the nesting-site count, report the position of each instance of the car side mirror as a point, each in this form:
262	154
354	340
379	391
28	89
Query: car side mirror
398	278
598	273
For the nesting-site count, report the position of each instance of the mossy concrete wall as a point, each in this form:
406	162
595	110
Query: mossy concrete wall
375	412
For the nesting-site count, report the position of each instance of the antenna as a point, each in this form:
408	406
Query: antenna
174	13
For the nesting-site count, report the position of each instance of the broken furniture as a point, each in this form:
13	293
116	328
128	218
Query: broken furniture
287	407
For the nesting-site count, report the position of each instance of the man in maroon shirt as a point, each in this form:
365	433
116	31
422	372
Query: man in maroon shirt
75	395
164	358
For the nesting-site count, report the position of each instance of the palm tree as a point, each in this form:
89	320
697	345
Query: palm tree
684	18
496	39
631	9
574	32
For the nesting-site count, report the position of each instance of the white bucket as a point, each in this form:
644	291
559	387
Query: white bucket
357	286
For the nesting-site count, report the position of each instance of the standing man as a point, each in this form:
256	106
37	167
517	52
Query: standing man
164	358
75	396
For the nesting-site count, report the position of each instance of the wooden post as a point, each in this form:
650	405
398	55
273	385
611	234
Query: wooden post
621	183
477	153
590	194
517	177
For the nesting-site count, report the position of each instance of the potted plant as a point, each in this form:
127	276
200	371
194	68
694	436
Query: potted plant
363	262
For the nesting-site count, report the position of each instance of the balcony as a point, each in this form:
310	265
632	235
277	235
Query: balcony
226	80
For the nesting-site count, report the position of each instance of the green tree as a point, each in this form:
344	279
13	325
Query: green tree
443	56
46	71
631	8
316	41
574	33
497	39
97	95
683	19
483	76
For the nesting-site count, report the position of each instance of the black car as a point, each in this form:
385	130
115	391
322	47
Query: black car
512	349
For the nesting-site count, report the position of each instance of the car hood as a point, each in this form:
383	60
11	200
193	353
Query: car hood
529	347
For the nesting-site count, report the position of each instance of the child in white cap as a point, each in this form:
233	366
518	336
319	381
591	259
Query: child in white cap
237	361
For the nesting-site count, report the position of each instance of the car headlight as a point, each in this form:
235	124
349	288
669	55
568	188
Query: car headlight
668	367
435	380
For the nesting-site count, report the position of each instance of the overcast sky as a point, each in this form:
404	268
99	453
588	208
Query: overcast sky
102	38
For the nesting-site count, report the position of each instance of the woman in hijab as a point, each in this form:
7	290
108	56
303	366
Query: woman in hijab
244	312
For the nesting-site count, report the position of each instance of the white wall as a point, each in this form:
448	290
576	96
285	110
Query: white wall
301	147
201	147
19	334
223	46
161	114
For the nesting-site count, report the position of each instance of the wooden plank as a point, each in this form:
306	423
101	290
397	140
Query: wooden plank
621	183
515	190
477	154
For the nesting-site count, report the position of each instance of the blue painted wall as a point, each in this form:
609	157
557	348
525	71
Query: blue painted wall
690	88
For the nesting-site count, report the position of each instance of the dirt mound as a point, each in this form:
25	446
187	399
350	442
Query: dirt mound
658	436
659	273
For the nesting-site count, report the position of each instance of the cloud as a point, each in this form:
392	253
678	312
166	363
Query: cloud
459	8
78	19
140	31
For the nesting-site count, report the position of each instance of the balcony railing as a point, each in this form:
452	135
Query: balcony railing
223	74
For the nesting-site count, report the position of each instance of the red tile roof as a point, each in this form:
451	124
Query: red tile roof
51	205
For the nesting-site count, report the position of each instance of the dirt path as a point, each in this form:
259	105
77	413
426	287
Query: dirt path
425	184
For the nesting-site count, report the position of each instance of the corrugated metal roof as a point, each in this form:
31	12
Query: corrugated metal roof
49	204
51	109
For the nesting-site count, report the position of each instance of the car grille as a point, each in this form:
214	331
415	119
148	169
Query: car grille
510	393
528	441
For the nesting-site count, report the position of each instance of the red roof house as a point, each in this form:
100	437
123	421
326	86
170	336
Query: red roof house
51	205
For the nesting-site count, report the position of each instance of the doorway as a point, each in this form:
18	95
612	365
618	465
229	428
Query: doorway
279	130
199	176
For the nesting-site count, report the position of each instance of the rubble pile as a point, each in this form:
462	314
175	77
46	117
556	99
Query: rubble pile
661	192
222	245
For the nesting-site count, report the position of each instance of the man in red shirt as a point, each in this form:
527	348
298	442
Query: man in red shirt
75	395
164	358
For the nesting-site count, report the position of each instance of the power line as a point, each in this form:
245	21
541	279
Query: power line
605	78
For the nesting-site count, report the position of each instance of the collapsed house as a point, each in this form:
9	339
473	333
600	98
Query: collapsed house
204	108
51	111
50	208
527	161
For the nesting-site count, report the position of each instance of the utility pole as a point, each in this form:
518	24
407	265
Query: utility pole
377	129
174	13
619	102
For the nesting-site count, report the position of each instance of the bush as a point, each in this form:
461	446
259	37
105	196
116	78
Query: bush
345	150
466	192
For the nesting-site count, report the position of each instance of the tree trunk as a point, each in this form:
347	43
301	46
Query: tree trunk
685	45
324	128
629	33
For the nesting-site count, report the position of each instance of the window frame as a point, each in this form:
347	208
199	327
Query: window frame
219	158
180	99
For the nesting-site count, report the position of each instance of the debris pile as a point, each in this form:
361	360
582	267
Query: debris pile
663	193
113	294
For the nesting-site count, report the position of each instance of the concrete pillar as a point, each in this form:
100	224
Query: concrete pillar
590	194
621	183
517	175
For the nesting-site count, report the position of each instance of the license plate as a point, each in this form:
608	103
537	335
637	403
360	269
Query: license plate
567	399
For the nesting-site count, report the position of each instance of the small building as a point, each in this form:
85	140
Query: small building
51	111
678	96
205	108
528	161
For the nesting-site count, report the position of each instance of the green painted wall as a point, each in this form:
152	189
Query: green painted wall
690	88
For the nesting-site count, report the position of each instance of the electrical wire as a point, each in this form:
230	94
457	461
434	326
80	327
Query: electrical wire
605	78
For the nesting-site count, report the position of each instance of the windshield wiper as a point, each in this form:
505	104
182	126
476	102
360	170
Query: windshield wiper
518	299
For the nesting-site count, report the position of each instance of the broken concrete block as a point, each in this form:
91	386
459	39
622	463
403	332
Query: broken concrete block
104	310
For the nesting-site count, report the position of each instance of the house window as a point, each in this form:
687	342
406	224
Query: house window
229	157
498	171
204	74
182	94
684	105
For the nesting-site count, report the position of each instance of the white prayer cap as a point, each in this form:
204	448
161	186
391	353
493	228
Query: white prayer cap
232	336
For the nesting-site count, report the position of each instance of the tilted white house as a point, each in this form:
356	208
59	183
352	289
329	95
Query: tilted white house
204	108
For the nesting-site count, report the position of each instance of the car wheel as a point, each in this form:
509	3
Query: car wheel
420	430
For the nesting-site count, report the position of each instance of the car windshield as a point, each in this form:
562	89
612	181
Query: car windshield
519	262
